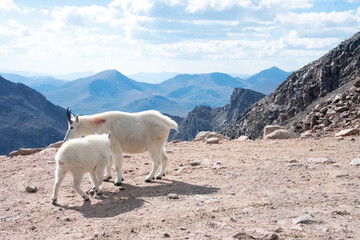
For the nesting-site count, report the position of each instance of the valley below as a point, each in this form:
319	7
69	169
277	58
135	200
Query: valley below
231	190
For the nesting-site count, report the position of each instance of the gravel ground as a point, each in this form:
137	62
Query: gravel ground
219	191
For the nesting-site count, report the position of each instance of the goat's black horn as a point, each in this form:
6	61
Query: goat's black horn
68	114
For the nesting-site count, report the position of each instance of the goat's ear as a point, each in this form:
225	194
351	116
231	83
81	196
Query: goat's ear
77	118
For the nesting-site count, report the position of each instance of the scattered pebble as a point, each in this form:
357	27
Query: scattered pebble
355	162
305	219
31	189
321	160
297	228
166	235
195	163
173	196
213	140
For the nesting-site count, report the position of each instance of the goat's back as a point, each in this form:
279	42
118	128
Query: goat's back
85	152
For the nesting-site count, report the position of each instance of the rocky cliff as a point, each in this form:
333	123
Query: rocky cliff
295	98
28	120
205	118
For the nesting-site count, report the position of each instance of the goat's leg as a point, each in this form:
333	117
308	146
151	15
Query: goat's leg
94	180
99	172
76	185
155	157
164	160
107	176
59	177
118	160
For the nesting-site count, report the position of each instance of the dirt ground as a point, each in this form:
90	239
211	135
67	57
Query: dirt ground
238	186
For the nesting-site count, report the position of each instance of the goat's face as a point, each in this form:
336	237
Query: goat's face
74	130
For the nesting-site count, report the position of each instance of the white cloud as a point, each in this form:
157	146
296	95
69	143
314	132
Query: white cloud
8	5
287	4
134	7
194	6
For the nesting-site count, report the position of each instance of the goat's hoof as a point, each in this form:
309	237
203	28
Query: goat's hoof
117	183
86	199
106	179
148	180
54	201
98	193
159	177
91	192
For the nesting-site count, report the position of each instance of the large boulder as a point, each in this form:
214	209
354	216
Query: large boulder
204	135
271	128
282	134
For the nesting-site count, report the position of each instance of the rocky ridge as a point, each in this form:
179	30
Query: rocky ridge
205	118
294	99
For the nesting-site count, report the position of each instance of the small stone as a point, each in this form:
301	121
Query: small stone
305	219
261	233
242	138
295	165
355	162
297	228
121	188
175	141
321	160
31	189
213	140
172	196
195	163
166	235
341	213
67	219
292	161
182	228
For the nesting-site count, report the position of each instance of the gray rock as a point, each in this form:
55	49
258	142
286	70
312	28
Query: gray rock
195	163
321	160
271	128
256	233
213	140
173	196
296	165
31	189
347	132
355	162
242	138
305	219
282	134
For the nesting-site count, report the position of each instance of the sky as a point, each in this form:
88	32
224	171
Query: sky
183	36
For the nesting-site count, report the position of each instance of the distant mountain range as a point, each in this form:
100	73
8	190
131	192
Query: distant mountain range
27	118
152	77
111	90
39	83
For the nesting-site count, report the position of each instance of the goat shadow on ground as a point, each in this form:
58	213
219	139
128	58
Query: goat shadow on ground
129	199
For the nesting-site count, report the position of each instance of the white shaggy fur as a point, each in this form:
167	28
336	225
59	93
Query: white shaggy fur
78	156
131	133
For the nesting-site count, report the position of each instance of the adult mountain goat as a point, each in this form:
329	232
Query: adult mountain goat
131	133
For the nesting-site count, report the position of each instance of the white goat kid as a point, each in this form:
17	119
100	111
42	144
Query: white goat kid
131	133
78	156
